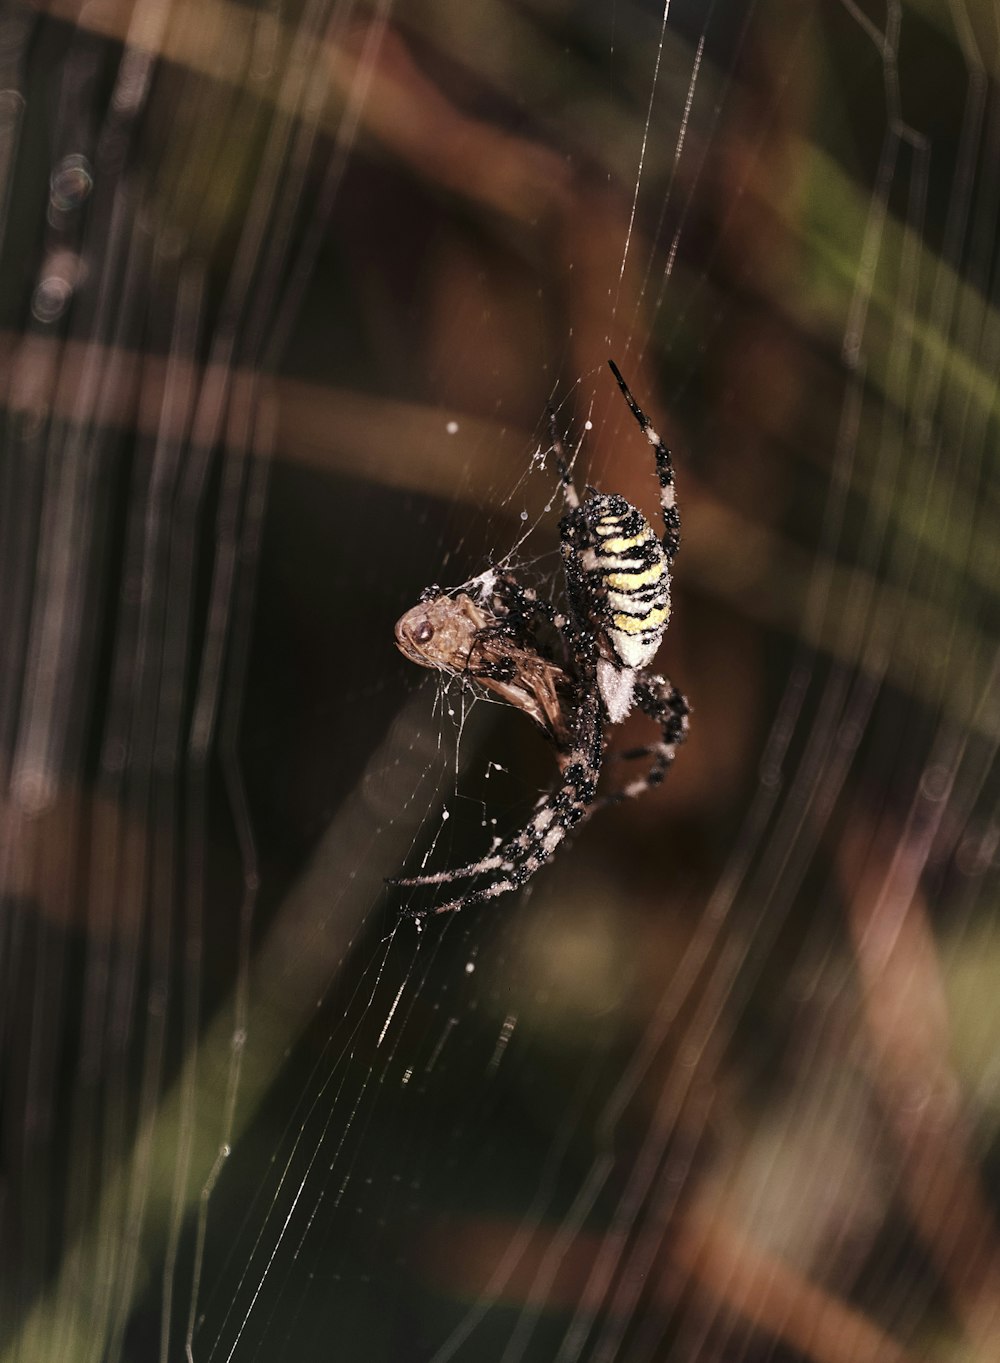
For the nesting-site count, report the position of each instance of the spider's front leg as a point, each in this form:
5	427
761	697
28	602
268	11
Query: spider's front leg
570	495
664	470
523	623
522	611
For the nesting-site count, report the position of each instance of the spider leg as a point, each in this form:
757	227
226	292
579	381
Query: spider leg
583	585
570	494
519	613
494	862
664	470
522	607
517	859
661	701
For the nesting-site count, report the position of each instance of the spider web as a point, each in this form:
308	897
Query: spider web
286	292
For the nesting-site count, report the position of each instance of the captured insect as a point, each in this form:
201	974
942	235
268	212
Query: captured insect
574	672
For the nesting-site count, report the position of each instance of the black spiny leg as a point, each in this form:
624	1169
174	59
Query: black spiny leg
662	702
575	539
664	470
519	616
515	861
521	608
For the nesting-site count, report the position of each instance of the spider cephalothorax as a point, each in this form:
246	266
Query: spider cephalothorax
498	635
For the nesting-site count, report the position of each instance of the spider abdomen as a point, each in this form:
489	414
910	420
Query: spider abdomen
634	576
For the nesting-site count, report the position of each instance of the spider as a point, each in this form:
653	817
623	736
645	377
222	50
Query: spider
574	672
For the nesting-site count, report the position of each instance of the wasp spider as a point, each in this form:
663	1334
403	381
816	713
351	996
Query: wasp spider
574	672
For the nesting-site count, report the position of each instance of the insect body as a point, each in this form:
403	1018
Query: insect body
496	634
456	634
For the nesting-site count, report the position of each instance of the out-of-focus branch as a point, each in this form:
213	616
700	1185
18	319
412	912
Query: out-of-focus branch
704	1252
907	1019
772	1296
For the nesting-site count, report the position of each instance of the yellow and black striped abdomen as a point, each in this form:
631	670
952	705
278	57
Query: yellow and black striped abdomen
635	577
